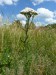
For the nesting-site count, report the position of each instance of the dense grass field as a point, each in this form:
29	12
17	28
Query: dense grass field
36	57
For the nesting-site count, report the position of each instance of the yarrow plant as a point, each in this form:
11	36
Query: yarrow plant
28	13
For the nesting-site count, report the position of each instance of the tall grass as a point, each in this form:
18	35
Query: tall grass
41	51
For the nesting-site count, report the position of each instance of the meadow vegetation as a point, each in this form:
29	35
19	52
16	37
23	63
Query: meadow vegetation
40	47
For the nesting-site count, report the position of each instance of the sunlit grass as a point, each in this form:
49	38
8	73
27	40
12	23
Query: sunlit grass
41	51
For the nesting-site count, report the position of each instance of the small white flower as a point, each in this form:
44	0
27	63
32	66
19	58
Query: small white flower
28	10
